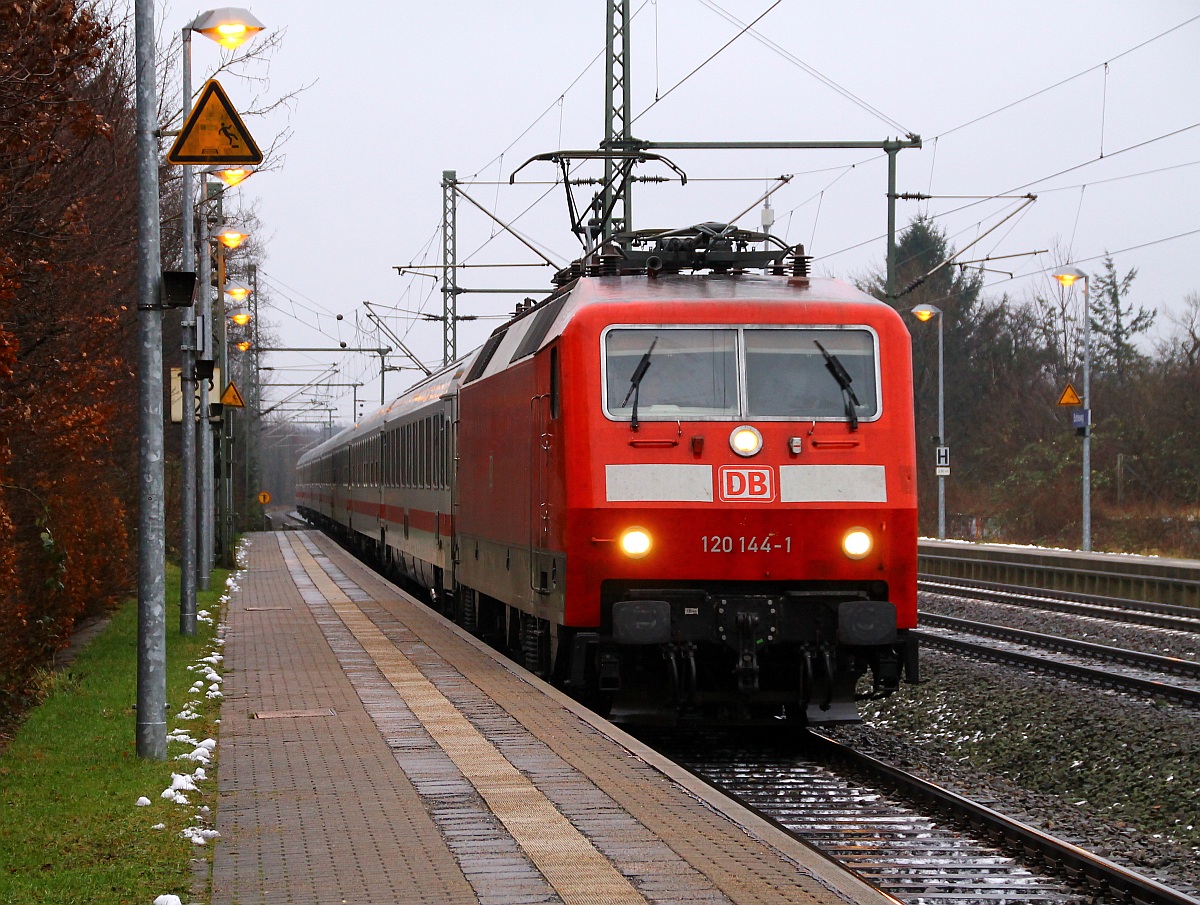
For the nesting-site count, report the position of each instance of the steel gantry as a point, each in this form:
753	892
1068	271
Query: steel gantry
450	288
616	206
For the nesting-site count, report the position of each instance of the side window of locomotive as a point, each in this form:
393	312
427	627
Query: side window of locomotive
555	383
690	373
786	375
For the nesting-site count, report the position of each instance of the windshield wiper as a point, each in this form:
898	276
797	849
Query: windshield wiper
842	376
635	383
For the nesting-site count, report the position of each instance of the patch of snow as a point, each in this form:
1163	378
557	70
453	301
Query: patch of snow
198	835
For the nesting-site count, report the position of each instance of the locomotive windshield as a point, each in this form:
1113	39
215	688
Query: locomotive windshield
739	372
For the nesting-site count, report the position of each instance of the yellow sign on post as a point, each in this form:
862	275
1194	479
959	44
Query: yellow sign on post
1069	397
232	397
264	497
214	133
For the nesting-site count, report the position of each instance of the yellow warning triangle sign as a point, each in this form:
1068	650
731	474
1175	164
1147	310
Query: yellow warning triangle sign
214	133
1069	397
232	397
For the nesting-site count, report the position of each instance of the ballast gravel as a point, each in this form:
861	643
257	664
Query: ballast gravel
1113	773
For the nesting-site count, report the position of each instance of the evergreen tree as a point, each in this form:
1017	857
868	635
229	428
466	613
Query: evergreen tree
1115	324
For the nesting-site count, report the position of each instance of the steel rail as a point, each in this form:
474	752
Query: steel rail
1092	675
1098	874
900	850
1159	615
1149	578
1151	662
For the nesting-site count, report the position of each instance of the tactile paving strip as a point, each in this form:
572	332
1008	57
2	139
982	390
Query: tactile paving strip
564	856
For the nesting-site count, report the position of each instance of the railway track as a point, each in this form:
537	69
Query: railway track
995	643
1136	672
1138	612
946	848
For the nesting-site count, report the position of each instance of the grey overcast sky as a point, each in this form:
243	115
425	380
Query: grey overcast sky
1093	106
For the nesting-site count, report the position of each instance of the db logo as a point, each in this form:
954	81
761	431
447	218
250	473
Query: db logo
754	485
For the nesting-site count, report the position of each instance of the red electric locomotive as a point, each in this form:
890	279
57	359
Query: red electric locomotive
691	493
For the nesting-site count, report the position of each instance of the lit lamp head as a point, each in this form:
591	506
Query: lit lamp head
230	175
229	236
925	313
241	318
1068	275
229	26
238	293
244	346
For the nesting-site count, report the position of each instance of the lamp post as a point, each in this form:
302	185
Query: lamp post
1067	277
151	725
230	27
227	237
924	313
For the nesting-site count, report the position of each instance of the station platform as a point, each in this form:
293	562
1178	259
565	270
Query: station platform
372	752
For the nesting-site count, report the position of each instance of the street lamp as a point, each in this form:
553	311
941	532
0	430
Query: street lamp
238	292
229	236
230	26
1067	277
231	175
924	313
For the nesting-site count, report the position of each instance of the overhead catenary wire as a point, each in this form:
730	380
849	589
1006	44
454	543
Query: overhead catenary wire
1102	156
557	101
796	61
1068	79
658	98
1034	182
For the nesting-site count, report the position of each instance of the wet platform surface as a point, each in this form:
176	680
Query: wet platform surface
370	751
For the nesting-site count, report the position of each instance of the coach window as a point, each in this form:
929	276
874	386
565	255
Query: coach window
424	451
409	455
439	438
429	440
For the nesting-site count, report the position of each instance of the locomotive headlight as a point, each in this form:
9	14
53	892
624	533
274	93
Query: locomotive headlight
635	542
745	440
857	543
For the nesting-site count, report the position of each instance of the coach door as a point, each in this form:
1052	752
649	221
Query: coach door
544	563
539	484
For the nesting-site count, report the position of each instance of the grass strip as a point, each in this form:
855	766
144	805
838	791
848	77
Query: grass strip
70	831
